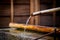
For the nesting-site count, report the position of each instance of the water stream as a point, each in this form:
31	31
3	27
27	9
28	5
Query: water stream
28	20
26	24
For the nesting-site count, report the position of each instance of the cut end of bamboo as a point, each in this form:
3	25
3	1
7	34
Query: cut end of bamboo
15	25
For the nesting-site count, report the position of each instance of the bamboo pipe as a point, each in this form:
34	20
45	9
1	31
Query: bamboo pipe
33	27
46	11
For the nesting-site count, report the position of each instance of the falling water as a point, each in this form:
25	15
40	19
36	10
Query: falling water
28	20
26	24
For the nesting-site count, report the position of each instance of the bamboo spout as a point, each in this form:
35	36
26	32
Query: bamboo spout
46	11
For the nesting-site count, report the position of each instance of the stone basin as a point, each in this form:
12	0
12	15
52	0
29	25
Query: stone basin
12	34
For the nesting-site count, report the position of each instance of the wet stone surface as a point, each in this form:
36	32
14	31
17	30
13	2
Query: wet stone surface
21	35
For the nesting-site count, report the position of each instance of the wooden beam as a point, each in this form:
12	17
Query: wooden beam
37	8
34	6
12	12
32	10
54	13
